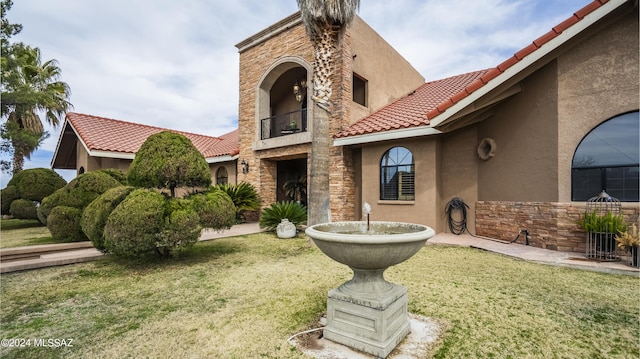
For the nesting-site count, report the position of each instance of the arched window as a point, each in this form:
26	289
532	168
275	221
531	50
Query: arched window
221	175
608	159
397	175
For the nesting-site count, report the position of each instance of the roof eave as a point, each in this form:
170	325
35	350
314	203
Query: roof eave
55	153
386	135
220	159
528	61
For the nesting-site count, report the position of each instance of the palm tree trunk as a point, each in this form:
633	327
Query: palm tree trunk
319	190
18	159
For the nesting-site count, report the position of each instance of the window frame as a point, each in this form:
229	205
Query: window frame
393	187
363	88
618	179
224	177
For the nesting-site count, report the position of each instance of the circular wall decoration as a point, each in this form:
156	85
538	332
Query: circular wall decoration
487	148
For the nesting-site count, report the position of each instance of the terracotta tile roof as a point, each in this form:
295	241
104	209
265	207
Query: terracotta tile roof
109	135
411	110
440	95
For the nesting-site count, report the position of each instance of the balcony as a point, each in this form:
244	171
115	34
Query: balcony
285	124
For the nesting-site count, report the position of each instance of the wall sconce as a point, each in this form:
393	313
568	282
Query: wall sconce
300	90
245	166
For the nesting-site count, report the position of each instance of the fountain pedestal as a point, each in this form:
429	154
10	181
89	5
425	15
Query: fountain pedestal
364	322
367	312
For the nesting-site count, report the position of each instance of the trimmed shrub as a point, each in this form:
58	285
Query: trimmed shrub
118	175
64	224
35	184
47	205
244	197
273	215
7	196
181	227
134	225
215	209
94	217
78	193
169	160
23	209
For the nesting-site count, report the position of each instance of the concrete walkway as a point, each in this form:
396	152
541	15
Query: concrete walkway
61	254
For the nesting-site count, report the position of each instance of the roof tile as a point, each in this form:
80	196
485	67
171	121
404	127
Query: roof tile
413	110
109	135
545	38
507	63
433	98
580	14
566	24
526	51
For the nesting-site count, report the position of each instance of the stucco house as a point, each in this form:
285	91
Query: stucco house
502	139
519	143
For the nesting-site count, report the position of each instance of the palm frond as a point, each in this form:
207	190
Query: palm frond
317	14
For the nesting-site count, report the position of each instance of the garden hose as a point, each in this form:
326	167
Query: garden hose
456	227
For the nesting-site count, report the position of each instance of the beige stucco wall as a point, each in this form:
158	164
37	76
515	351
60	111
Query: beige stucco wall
526	134
597	80
458	173
424	209
390	76
231	171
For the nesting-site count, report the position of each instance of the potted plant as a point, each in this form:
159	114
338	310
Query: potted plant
603	228
630	242
296	189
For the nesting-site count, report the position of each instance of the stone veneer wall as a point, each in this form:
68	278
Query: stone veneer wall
254	62
551	225
262	163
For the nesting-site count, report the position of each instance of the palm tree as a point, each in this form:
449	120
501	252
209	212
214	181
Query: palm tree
323	20
30	87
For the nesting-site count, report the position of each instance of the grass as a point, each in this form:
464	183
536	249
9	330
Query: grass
24	232
242	297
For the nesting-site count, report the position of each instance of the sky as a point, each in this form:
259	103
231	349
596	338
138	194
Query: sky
174	64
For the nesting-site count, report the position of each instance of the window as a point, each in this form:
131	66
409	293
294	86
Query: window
397	175
221	175
359	90
608	158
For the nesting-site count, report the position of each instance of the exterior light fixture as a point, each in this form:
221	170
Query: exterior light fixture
300	90
245	166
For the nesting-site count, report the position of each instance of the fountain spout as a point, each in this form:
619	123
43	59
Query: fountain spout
366	209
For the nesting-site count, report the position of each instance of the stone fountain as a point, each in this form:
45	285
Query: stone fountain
368	313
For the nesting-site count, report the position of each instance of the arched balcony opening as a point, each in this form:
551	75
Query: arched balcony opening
282	101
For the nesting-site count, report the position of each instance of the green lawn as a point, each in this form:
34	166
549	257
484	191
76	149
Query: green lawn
242	297
24	232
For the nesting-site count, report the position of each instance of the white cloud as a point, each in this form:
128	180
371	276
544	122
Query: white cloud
174	64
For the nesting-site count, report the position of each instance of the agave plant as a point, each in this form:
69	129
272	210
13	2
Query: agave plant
244	197
274	214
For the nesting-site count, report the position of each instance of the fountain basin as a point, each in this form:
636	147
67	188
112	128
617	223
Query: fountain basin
368	313
384	245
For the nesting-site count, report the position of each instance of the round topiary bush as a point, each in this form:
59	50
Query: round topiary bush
23	209
78	193
181	227
47	205
94	216
8	195
35	184
169	160
215	209
118	175
64	224
134	225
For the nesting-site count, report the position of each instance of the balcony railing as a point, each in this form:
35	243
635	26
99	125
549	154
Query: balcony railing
284	124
